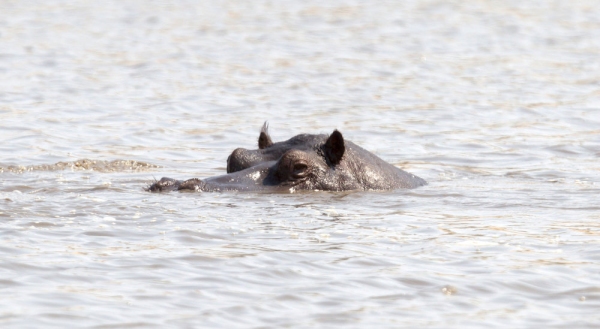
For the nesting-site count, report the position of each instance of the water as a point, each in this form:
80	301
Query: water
496	104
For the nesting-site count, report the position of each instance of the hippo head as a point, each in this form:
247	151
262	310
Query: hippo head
242	158
303	162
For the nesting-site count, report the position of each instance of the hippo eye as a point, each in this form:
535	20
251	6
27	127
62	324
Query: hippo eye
299	170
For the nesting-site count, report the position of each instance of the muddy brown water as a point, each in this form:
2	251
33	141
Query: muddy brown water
495	104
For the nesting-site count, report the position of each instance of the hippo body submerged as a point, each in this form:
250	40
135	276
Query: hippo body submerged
304	162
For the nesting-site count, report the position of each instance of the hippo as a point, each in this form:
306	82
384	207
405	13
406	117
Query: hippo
304	162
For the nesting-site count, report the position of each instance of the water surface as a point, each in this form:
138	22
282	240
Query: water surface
495	104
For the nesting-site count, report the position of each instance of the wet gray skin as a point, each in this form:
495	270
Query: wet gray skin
304	162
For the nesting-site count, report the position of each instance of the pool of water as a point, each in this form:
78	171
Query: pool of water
495	104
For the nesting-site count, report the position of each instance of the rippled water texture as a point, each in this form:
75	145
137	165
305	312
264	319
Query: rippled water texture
495	103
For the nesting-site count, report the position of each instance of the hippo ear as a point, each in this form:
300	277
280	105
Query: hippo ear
334	148
264	140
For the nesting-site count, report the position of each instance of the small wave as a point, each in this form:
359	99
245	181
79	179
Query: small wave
85	164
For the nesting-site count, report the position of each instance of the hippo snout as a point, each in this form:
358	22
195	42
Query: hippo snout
166	184
163	185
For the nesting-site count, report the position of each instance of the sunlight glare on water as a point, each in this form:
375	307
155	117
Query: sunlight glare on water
495	104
